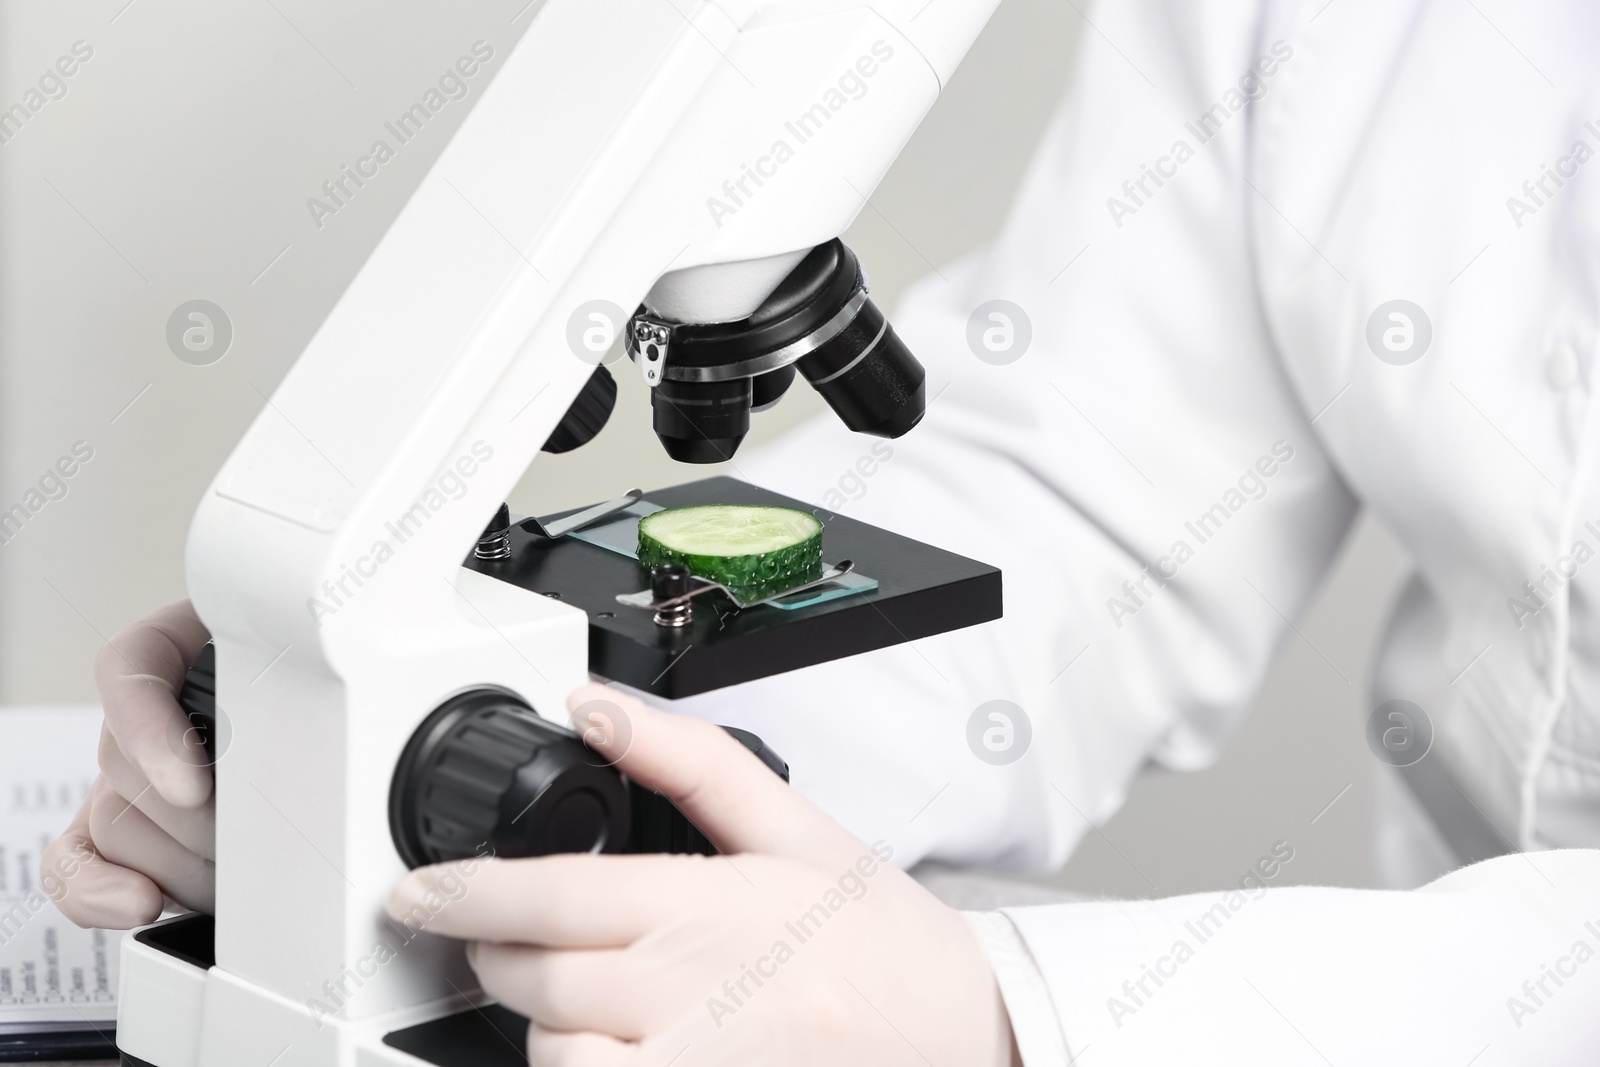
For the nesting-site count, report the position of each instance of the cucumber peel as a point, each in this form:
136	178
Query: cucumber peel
754	550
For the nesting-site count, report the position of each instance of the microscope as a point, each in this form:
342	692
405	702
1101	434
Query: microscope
393	649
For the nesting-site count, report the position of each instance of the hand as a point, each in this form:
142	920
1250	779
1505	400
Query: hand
147	830
800	945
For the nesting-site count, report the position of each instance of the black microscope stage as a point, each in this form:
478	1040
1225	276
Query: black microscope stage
921	591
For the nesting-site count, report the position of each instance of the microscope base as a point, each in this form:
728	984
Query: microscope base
488	1037
188	1013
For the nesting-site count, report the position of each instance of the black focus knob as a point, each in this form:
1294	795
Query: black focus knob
587	414
658	826
198	698
485	772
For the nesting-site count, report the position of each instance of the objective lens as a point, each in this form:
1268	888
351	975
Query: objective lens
868	376
767	389
701	422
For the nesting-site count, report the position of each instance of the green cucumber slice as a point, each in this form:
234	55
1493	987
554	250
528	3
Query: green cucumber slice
755	551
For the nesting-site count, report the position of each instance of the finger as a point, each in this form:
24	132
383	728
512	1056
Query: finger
193	828
729	794
139	673
88	889
124	835
574	901
549	1049
600	990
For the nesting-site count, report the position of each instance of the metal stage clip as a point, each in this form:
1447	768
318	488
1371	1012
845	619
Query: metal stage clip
577	521
646	598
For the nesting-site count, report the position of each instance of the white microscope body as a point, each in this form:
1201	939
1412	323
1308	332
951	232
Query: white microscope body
693	150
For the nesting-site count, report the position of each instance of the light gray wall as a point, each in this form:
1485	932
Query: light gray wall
177	166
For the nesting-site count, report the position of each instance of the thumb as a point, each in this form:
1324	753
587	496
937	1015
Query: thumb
729	794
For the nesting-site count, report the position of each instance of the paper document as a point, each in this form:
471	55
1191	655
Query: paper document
53	976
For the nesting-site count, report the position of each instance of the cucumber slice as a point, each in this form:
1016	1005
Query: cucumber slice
755	551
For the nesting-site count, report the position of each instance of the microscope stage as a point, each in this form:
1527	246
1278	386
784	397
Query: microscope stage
921	591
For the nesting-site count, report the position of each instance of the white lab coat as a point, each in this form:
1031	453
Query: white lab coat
1200	399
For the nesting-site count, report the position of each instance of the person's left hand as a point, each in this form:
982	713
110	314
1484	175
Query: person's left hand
799	945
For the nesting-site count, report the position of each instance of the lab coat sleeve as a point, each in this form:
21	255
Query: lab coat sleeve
1135	462
1492	964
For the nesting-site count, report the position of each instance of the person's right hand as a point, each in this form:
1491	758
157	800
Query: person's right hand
146	834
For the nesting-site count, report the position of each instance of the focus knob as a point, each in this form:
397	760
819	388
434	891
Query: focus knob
485	770
198	699
587	415
658	826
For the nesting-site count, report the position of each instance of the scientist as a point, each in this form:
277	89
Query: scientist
1274	262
